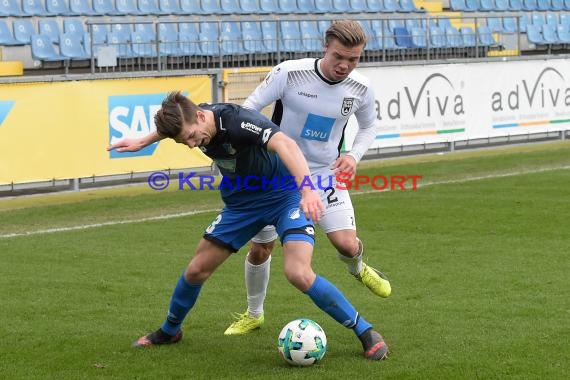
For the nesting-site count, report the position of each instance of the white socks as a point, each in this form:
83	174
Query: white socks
256	282
354	264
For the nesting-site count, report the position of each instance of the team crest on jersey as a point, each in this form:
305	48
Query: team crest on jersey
294	213
346	106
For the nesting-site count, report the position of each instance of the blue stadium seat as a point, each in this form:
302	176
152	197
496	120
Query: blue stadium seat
341	6
57	8
10	8
457	5
530	5
148	7
251	35
324	6
443	22
510	25
392	6
50	28
472	5
122	30
487	5
543	5
249	6
74	26
290	36
564	19
550	34
534	34
453	37
495	24
121	44
147	29
552	18
563	34
143	44
169	7
105	7
81	8
387	40
468	35
212	7
409	6
98	33
288	6
44	50
189	35
538	19
306	6
486	37
515	5
193	7
323	26
231	39
359	6
403	37
502	5
128	7
168	40
71	46
23	30
437	37
524	20
210	29
419	37
209	47
311	36
6	36
411	23
557	5
231	7
393	23
269	33
269	7
34	8
375	6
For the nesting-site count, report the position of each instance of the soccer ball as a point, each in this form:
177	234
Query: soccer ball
302	342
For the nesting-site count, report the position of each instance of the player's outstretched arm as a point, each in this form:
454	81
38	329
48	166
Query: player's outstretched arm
291	155
134	145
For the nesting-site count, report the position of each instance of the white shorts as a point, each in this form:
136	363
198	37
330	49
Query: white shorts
338	215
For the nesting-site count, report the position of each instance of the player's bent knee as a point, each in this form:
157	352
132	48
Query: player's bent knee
301	280
259	252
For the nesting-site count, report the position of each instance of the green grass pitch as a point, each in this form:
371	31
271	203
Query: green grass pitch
478	257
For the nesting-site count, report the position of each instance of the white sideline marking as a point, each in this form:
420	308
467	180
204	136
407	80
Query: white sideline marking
198	212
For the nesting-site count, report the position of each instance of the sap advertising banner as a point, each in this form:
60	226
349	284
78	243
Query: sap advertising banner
424	104
60	130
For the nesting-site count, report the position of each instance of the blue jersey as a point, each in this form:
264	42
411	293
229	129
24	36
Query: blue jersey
239	149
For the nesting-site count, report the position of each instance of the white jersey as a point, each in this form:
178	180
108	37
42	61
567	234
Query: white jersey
313	110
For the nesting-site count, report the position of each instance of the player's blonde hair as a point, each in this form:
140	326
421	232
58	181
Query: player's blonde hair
348	32
176	110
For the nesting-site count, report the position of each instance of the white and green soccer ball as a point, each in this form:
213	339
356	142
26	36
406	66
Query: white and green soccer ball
302	342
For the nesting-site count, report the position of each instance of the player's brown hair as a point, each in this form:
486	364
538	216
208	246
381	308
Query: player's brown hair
176	110
347	32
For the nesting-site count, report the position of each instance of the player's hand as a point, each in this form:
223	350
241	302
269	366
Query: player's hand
345	164
126	145
311	204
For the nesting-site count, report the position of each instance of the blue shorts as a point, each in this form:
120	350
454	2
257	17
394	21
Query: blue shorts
234	227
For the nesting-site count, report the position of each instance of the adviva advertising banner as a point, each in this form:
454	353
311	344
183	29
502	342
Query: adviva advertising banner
450	102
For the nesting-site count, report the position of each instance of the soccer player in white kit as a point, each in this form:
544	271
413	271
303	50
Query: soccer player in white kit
314	98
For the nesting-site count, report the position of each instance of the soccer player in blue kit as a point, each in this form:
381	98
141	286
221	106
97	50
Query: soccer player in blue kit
244	143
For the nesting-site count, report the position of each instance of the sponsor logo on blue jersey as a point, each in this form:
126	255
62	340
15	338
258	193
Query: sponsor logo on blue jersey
317	128
132	116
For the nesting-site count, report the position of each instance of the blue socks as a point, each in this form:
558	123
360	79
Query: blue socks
183	299
329	299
